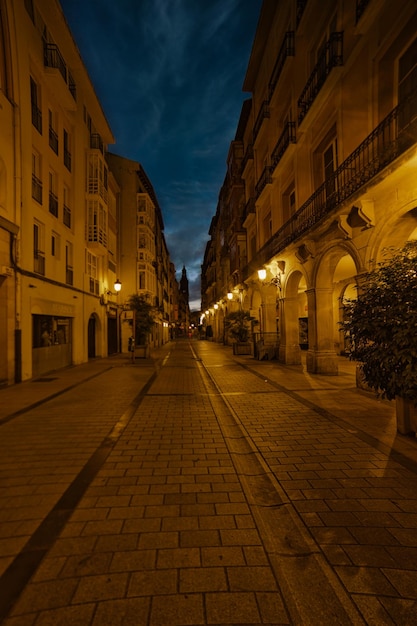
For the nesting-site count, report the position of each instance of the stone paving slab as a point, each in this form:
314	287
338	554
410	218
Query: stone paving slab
174	527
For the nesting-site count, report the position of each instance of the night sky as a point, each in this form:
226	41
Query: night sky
169	76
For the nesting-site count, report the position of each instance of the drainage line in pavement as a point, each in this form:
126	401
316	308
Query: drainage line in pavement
394	455
24	565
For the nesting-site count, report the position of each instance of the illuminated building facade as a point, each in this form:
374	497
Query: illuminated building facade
327	158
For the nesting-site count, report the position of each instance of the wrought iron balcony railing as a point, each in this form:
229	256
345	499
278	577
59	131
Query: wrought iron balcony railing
331	56
395	134
67	159
263	114
287	137
53	204
36	189
52	57
67	216
53	140
287	49
265	179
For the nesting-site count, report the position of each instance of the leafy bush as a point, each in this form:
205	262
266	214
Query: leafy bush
237	324
382	325
144	318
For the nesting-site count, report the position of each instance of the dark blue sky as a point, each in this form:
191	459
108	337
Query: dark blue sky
169	77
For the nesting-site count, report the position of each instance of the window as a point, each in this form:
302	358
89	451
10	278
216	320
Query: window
329	167
92	272
38	248
53	137
288	203
53	198
49	330
66	210
267	227
97	223
69	272
55	241
36	180
67	152
35	104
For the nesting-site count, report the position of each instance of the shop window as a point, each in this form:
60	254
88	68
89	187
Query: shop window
48	330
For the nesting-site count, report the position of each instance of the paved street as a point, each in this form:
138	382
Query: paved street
196	487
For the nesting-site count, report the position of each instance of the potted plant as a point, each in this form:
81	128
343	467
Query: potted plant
237	325
143	320
381	325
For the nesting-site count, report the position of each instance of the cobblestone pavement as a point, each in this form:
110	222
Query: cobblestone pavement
200	488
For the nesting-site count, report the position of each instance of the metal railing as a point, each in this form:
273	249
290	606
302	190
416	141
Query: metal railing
53	140
53	204
396	133
52	57
36	189
287	49
287	136
265	179
331	56
66	218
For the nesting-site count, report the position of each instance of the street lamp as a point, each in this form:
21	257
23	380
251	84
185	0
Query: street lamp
117	286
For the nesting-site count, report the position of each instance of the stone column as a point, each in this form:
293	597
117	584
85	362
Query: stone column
321	355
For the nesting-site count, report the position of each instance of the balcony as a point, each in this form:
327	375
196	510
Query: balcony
53	204
53	59
263	114
39	262
67	159
332	56
97	235
53	140
287	137
67	216
287	49
96	142
393	136
36	189
264	180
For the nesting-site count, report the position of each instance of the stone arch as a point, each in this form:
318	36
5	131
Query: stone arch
335	271
293	325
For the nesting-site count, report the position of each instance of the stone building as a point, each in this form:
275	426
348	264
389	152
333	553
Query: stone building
321	177
59	205
144	259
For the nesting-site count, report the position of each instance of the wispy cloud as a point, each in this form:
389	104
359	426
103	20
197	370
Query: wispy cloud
169	76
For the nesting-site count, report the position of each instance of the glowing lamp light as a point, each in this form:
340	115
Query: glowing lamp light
117	285
262	274
230	296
